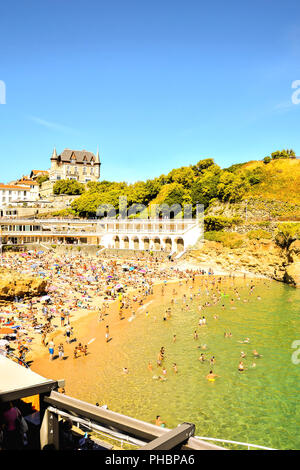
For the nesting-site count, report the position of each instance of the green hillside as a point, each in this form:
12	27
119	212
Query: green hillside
270	187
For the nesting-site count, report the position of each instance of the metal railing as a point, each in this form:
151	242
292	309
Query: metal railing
227	441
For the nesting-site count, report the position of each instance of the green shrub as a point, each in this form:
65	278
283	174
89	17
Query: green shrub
216	223
229	239
286	234
259	234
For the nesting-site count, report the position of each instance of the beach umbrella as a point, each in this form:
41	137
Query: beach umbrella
40	252
131	268
109	277
34	266
142	270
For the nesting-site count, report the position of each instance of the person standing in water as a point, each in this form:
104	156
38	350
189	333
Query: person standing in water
211	376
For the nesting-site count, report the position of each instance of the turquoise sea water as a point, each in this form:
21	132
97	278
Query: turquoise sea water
259	405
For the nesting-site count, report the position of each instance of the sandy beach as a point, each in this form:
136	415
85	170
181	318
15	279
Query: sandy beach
83	298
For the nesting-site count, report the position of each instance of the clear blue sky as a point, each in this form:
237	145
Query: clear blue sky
156	84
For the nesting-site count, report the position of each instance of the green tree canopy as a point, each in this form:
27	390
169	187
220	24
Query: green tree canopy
71	187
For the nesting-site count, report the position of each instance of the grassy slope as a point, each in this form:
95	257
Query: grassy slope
281	181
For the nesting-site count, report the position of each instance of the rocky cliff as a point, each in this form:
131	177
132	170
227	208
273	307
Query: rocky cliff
261	257
11	285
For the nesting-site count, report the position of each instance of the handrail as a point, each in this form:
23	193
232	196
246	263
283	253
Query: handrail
233	442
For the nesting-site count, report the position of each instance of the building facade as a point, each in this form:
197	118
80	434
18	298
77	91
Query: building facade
18	193
169	236
79	165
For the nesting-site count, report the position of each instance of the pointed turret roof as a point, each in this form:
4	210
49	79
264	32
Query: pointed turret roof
54	154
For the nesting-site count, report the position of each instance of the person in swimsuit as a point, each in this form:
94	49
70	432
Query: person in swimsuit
160	422
51	350
211	376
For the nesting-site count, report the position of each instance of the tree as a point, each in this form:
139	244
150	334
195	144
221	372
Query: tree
205	187
183	175
232	187
173	194
202	165
289	153
41	179
70	187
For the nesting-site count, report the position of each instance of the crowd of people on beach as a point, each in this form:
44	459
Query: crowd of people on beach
82	284
77	284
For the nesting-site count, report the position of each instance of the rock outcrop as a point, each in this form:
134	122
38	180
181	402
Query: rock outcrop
263	258
292	272
12	284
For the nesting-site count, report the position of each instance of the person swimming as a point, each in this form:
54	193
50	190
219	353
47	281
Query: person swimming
256	354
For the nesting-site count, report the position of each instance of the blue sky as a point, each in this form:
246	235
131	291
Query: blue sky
155	85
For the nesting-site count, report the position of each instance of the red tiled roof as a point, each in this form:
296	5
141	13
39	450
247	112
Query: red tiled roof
11	186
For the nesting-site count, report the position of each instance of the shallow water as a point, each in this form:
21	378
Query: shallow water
259	406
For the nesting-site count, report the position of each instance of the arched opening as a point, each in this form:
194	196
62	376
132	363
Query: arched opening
156	242
126	242
146	243
117	242
180	244
168	244
136	243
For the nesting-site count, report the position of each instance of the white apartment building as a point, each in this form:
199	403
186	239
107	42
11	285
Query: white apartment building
12	193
